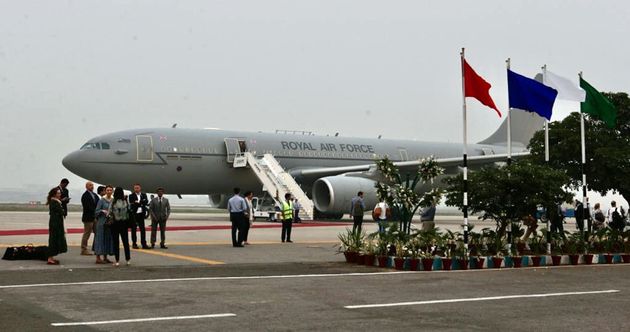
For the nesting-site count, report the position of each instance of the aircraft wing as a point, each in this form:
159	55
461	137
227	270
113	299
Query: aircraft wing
447	163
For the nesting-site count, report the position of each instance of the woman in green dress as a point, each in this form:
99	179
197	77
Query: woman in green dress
56	232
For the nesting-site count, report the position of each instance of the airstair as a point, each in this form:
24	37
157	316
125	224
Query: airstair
277	181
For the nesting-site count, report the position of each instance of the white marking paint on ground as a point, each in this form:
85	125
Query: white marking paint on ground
121	321
133	281
475	299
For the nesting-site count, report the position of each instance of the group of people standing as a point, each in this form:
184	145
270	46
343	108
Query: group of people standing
109	214
596	219
242	217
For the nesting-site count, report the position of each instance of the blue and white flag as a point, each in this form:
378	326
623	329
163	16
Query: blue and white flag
530	95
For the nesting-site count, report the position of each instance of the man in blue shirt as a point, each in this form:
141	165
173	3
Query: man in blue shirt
237	207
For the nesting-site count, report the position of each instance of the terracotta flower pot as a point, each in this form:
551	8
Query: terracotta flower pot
413	264
399	263
609	258
588	259
361	259
463	263
517	261
626	258
382	261
446	264
369	260
555	260
427	264
536	260
574	259
496	262
479	262
351	256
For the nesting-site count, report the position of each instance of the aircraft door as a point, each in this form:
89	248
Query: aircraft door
144	148
403	154
235	148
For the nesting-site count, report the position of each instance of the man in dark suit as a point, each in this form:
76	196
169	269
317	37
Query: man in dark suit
88	200
160	210
138	202
65	196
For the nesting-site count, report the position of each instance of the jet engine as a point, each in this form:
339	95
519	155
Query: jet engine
218	201
333	194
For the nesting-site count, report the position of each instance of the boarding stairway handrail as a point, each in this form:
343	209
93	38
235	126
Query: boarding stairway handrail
276	180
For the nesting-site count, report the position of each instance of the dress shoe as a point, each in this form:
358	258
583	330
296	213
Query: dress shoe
152	245
86	253
163	246
289	241
135	246
238	246
146	247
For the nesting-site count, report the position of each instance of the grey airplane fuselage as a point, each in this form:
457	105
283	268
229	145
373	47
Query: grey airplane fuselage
194	161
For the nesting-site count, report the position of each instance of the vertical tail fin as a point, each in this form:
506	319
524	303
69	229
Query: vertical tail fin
524	125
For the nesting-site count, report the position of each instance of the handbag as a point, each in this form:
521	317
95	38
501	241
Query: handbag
109	221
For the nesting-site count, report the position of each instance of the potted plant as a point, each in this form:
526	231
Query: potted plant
428	244
414	253
370	250
401	252
350	244
517	259
448	245
572	246
538	249
626	252
556	249
459	254
612	245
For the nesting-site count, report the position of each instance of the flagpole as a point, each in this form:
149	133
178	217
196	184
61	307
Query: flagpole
544	73
586	220
509	161
465	157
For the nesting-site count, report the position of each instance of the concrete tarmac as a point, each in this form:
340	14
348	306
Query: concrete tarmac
201	283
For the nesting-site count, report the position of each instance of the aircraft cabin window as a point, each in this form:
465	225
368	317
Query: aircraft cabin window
105	146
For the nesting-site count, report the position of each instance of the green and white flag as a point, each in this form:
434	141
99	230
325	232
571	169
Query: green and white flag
598	105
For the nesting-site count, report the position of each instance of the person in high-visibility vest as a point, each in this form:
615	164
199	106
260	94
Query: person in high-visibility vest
287	218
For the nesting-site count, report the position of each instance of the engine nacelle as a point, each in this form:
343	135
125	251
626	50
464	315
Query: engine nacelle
218	201
333	194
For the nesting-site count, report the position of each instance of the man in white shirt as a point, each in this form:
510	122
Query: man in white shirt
138	203
380	214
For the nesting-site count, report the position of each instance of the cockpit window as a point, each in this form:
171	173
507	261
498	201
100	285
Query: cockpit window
90	146
95	146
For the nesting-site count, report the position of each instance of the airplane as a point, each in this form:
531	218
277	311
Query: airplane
329	169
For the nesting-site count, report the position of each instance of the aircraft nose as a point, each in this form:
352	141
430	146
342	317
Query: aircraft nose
71	161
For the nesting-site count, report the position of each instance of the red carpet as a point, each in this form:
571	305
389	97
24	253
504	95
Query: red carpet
44	231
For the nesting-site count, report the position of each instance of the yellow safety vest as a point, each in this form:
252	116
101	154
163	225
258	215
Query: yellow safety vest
287	211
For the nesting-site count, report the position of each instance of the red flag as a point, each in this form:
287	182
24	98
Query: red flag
475	86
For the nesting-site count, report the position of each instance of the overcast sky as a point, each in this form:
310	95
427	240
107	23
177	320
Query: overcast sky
71	70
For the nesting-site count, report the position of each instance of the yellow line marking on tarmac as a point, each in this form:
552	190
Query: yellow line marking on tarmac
182	257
